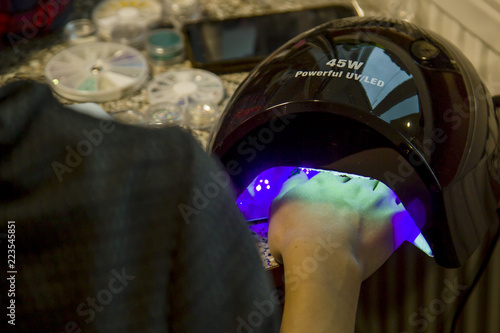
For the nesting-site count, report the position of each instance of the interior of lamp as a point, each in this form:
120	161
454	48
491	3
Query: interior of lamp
255	201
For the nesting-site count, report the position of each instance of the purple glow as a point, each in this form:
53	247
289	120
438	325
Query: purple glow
255	201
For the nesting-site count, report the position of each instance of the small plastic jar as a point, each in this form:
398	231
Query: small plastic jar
80	31
200	115
165	46
165	114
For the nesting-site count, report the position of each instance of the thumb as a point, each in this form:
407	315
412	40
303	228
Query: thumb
291	183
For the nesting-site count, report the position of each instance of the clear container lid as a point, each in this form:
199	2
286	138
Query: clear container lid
106	14
186	85
165	114
96	72
128	29
201	115
80	31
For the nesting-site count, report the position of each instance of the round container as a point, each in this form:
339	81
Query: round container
183	10
165	46
96	72
105	14
164	114
128	30
201	115
80	31
184	86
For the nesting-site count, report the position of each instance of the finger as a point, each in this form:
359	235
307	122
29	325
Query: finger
292	182
330	178
364	186
386	191
328	183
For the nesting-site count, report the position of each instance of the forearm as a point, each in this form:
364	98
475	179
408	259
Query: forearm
330	235
321	296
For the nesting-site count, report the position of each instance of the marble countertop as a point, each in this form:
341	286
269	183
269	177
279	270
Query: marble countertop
28	60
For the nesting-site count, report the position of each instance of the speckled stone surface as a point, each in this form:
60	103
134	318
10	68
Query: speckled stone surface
259	232
28	60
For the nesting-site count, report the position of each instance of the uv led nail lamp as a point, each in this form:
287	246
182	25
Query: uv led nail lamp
377	98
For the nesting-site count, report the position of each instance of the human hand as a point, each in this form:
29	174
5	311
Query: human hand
358	215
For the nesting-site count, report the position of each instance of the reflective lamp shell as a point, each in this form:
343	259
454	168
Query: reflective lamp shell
378	98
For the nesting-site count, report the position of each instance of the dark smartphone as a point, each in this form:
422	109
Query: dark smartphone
238	44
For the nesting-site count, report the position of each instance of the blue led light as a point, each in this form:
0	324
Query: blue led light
254	203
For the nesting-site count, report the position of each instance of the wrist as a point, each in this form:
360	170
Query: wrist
319	263
321	290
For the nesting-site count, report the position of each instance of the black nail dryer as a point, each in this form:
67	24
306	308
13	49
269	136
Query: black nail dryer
378	98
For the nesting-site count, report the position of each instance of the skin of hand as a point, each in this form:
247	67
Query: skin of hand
360	214
356	219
